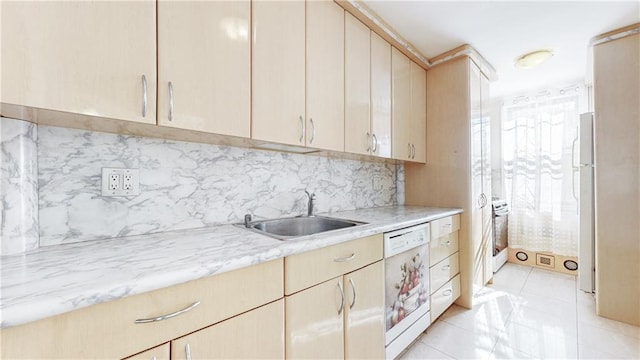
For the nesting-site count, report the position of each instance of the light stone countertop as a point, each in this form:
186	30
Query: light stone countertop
57	279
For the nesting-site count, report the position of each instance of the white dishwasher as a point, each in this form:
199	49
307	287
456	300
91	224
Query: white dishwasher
406	261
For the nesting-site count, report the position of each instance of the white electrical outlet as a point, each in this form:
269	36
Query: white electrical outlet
120	182
114	181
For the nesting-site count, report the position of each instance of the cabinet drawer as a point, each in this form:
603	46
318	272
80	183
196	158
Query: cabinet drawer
445	226
443	271
108	331
442	298
307	269
442	247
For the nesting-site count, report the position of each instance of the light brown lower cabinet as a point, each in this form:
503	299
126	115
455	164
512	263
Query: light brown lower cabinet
124	327
339	318
364	313
257	334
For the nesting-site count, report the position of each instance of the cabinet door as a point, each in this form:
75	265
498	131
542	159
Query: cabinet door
401	105
357	86
325	75
477	200
84	57
381	95
204	66
314	322
257	334
418	127
364	320
161	352
487	228
278	71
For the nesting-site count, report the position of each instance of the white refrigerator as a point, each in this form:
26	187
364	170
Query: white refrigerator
586	270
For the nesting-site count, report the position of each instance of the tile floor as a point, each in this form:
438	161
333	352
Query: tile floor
512	320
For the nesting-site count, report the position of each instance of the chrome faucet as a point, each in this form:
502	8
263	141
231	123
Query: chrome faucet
312	198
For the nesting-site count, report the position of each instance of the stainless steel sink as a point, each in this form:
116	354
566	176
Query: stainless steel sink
289	228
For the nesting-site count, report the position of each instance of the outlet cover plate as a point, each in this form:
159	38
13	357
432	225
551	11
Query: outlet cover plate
128	182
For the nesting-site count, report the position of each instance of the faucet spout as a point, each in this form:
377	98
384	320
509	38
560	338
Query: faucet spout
312	199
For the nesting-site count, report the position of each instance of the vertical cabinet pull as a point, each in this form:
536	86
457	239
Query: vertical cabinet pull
409	150
353	288
341	298
170	101
187	351
313	131
375	143
302	129
413	146
368	141
144	96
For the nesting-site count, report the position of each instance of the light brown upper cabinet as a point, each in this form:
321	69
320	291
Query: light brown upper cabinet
418	116
85	57
367	90
298	98
357	58
325	75
278	83
381	95
408	108
204	66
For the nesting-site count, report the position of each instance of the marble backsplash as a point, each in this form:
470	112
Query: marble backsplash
18	186
189	185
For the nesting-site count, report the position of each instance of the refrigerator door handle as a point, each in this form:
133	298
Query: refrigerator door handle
575	170
573	153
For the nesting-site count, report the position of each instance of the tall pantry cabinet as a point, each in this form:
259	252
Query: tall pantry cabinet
616	92
457	171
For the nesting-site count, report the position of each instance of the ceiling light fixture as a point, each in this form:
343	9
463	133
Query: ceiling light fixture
533	59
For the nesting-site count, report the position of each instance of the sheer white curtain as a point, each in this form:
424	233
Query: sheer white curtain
538	134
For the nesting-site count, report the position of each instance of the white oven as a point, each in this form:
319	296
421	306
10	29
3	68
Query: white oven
406	261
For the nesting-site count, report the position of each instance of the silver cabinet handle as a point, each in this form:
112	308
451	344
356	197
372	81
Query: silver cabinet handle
301	129
343	259
187	351
313	131
170	101
447	292
413	146
375	143
342	297
480	201
446	267
144	96
168	316
368	141
353	287
409	150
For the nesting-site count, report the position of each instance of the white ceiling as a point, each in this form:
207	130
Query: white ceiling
503	30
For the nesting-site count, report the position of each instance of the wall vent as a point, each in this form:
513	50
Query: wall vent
545	260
